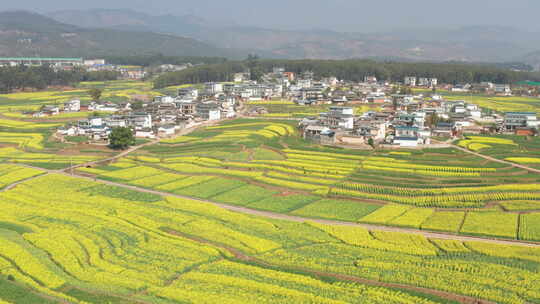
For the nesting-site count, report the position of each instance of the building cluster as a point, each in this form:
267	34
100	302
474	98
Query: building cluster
413	81
483	88
162	117
57	63
91	65
405	120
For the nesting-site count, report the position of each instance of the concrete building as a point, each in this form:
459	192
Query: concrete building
209	110
213	88
72	106
37	61
410	81
338	118
517	120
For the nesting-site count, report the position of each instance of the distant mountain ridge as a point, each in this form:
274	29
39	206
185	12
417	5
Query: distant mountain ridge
473	43
24	33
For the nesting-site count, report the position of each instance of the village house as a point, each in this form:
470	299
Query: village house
338	118
188	93
208	110
427	82
375	130
72	106
502	90
319	134
48	110
370	79
212	88
520	120
410	81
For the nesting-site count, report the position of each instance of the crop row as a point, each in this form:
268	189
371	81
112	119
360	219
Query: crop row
439	191
421	172
122	246
453	200
325	154
427	167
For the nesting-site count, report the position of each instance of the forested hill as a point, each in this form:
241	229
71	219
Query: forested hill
351	70
28	34
21	77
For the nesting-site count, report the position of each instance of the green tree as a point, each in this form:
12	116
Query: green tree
121	138
256	70
433	119
95	94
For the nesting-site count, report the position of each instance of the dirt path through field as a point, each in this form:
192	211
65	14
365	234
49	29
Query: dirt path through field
496	159
255	260
299	219
292	218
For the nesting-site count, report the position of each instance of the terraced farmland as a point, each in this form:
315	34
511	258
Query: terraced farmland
90	241
439	190
145	228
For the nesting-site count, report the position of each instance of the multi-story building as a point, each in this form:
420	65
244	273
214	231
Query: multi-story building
186	108
427	82
517	120
338	118
72	106
410	81
213	87
140	121
208	110
188	93
370	79
502	89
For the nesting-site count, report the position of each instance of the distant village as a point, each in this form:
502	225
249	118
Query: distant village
400	117
91	65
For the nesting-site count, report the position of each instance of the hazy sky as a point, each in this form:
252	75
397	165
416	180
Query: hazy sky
341	15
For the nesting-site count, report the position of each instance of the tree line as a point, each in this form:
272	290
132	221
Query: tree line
159	59
200	74
41	77
351	70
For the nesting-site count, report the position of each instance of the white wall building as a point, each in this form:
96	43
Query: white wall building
213	87
410	81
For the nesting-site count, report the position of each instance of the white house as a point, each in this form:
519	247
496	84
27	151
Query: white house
475	114
406	141
167	130
209	110
437	97
141	121
71	131
339	118
165	99
304	83
188	93
213	87
96	121
503	89
146	133
410	81
72	106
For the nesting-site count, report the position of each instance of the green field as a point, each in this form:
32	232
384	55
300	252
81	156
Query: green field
315	224
428	189
101	244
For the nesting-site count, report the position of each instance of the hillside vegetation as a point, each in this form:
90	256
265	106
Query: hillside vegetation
29	34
